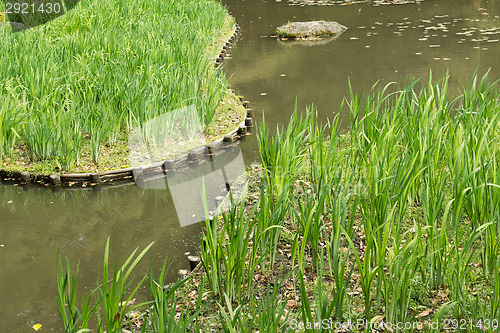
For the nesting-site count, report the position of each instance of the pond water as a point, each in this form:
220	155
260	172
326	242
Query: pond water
385	42
35	222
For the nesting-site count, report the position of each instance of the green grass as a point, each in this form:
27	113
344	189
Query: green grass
406	201
397	220
104	68
108	304
115	153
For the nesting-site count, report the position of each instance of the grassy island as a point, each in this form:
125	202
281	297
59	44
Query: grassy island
392	226
72	89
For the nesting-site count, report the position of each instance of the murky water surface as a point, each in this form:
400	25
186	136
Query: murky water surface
35	222
385	42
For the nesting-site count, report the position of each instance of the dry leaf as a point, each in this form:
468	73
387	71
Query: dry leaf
424	313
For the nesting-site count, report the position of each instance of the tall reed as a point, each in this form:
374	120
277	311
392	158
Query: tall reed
163	316
114	60
112	295
408	197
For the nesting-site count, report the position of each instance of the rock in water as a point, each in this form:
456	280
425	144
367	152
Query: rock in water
310	30
15	26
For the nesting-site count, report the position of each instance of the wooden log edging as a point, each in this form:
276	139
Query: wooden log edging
224	52
126	176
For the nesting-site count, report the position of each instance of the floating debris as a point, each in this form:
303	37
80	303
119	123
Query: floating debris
490	31
350	2
439	26
465	33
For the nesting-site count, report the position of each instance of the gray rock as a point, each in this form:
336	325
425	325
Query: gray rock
310	30
15	26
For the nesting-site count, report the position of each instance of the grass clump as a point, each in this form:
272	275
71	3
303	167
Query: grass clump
395	221
104	68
